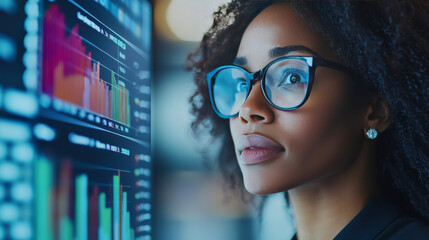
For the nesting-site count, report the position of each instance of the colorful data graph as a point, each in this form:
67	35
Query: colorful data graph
96	216
71	74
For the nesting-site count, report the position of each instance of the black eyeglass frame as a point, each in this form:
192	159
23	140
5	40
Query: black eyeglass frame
312	61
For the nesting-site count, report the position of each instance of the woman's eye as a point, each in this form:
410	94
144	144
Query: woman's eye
241	86
294	78
290	78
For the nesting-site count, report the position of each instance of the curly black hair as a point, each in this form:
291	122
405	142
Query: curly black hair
385	42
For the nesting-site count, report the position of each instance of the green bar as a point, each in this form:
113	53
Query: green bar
108	214
66	229
43	180
118	102
132	234
102	232
128	108
128	225
82	207
124	217
116	230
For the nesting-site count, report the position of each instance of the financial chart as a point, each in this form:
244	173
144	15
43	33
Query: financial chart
75	151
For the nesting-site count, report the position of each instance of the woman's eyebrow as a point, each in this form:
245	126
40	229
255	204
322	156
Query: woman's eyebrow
278	52
281	51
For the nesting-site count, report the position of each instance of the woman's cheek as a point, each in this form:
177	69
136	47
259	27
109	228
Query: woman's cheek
320	137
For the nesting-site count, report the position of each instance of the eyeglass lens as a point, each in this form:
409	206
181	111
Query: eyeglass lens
285	85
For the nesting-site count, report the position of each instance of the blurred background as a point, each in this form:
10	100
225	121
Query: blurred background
191	200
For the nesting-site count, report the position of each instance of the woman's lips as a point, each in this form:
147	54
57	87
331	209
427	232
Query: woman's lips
255	148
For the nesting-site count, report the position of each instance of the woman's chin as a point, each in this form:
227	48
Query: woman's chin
257	187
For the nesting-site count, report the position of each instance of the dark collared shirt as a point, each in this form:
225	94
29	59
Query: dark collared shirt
381	219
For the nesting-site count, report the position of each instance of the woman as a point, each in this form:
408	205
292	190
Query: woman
327	101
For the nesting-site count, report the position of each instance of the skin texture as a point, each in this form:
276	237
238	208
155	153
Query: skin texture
328	164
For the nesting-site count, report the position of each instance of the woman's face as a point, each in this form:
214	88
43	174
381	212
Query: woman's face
278	150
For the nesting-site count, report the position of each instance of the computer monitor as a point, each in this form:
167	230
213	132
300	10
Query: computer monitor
75	152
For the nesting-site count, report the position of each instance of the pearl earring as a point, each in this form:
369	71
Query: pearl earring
371	133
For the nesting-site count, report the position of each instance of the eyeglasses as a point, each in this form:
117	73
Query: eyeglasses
285	82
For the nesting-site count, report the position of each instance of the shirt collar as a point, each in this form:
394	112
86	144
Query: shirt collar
376	216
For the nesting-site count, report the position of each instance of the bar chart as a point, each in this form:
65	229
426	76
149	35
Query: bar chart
75	159
79	208
72	74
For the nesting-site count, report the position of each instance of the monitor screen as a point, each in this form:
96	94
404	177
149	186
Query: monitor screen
75	120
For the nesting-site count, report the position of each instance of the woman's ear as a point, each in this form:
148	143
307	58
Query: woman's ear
377	115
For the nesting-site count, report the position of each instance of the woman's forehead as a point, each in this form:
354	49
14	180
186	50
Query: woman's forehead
278	26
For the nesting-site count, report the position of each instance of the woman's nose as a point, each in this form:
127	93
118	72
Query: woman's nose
256	108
